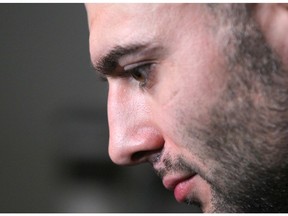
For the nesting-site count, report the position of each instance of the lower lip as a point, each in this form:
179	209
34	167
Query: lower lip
183	189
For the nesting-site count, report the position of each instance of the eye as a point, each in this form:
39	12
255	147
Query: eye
140	72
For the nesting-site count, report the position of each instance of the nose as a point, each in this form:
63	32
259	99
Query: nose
133	134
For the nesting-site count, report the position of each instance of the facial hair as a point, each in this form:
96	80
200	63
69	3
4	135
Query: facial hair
246	139
245	142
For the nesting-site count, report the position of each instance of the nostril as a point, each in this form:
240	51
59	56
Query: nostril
138	156
149	156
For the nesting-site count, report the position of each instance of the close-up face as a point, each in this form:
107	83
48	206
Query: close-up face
186	96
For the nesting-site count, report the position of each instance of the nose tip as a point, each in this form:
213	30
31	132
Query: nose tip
134	148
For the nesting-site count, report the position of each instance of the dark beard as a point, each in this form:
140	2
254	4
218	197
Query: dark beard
248	133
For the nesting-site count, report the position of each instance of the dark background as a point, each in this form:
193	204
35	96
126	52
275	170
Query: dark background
53	122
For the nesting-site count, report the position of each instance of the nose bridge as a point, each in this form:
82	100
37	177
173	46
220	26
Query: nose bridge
133	134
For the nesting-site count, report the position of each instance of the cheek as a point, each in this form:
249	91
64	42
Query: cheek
185	97
192	79
189	94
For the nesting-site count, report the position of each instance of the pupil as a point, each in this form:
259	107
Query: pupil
137	75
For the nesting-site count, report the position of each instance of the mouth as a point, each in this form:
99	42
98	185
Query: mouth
181	185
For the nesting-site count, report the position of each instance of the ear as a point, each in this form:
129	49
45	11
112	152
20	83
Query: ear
273	21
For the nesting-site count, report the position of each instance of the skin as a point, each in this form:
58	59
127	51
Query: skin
193	108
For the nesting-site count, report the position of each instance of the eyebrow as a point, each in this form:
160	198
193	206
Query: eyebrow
108	65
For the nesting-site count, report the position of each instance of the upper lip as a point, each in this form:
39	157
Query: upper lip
171	181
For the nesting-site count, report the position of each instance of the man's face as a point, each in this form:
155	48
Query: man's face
185	97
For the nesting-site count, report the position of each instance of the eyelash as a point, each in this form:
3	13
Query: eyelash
141	72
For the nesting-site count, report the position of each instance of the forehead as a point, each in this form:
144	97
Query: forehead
114	13
121	24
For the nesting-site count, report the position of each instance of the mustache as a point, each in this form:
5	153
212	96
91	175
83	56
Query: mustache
173	166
